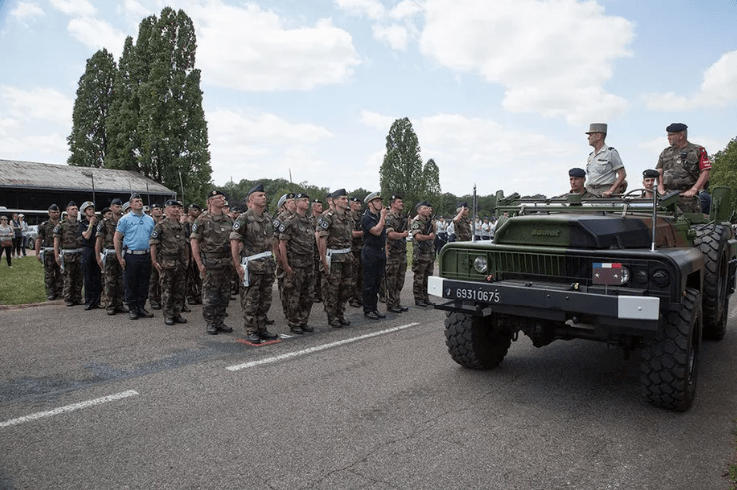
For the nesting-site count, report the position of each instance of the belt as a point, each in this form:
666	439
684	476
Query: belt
246	260
334	251
48	249
71	250
215	255
137	252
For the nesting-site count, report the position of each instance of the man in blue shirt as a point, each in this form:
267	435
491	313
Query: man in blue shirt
131	248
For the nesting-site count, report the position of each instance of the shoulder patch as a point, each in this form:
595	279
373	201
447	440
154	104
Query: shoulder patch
194	227
276	223
155	233
282	228
237	225
57	228
100	226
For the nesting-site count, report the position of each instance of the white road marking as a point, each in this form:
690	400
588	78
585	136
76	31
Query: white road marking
281	357
69	408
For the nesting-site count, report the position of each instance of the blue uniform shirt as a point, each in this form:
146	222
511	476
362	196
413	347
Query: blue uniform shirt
137	230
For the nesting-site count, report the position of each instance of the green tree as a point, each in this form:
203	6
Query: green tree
431	178
724	170
401	171
88	141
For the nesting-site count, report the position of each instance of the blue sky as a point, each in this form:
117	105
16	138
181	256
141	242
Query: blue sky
500	92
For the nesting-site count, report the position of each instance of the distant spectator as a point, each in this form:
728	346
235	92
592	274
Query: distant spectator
17	235
6	239
24	233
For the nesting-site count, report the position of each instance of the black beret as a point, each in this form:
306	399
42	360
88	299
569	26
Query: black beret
329	195
577	172
172	202
339	193
650	174
395	196
194	206
676	128
316	201
71	203
106	210
422	203
135	195
215	193
354	199
156	205
53	207
463	204
301	195
116	201
256	188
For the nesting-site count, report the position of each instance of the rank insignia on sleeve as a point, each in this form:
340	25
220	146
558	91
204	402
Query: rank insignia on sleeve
237	225
194	227
155	234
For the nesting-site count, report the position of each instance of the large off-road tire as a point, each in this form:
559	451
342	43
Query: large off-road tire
669	363
475	342
712	241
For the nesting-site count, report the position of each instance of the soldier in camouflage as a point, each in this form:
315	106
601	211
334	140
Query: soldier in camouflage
68	254
286	208
314	216
462	224
423	253
297	250
194	281
169	257
211	251
112	272
154	285
396	263
355	299
335	231
577	179
684	167
253	248
53	278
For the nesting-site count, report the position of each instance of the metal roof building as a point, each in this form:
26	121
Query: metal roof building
36	186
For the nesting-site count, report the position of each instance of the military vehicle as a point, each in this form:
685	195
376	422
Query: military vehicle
631	272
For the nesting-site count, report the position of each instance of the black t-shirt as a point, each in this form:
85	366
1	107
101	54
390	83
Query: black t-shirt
83	225
368	221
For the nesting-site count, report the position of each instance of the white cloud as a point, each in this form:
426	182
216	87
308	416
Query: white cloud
718	89
370	8
252	49
406	8
25	10
553	57
97	34
35	104
395	35
74	8
377	121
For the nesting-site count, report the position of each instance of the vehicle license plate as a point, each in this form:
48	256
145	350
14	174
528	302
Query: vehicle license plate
478	295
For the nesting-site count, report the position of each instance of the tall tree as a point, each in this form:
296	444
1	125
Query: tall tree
724	170
401	171
431	177
88	141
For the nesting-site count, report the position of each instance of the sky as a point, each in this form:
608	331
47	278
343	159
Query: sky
499	92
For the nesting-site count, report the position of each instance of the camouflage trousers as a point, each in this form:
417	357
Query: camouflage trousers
114	287
357	290
73	279
172	286
422	266
256	301
53	278
280	286
337	288
297	295
396	267
154	287
689	204
194	283
318	277
216	291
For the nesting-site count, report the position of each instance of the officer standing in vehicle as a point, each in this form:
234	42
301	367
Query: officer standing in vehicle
53	278
373	253
684	167
211	251
604	167
423	254
68	253
169	257
105	254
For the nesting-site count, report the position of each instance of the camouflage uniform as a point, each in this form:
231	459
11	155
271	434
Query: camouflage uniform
154	285
682	173
194	281
317	297
170	239
462	230
213	232
423	258
53	278
113	273
338	229
281	218
256	233
299	289
70	247
356	247
396	262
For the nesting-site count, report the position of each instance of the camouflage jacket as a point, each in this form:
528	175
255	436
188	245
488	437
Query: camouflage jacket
682	173
339	230
170	239
422	249
463	230
106	232
356	242
256	233
396	222
70	234
46	233
299	234
213	234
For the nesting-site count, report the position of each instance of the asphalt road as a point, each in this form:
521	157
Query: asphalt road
91	401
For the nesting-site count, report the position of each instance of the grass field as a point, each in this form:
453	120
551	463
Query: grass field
23	283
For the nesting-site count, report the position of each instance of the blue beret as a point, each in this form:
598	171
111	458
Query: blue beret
676	128
577	172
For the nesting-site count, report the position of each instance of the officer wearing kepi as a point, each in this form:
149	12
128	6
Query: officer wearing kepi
105	252
169	253
211	251
373	253
684	167
68	253
53	278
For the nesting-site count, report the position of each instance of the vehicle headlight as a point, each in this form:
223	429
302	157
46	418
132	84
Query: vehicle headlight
625	275
480	264
661	278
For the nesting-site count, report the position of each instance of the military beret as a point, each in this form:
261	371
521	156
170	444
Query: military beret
316	201
256	188
597	128
395	196
71	204
301	195
194	206
214	193
339	193
135	195
126	206
422	203
156	205
329	195
372	196
355	199
676	128
281	201
116	201
650	174
106	210
53	207
463	204
577	172
85	205
172	202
